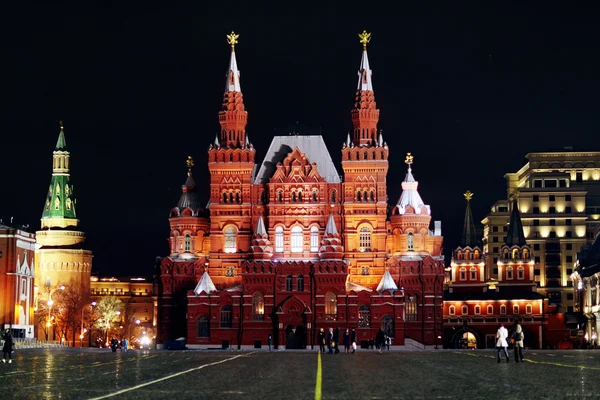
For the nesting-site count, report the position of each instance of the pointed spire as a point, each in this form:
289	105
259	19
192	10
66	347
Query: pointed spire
469	236
260	227
205	285
217	140
380	137
331	228
189	197
515	234
410	196
386	283
365	115
348	140
233	117
61	143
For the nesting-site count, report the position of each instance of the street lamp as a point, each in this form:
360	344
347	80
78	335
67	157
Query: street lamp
82	332
50	303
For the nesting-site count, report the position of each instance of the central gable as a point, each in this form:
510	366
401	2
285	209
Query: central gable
312	147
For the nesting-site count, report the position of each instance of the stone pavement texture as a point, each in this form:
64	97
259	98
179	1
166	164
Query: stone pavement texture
67	373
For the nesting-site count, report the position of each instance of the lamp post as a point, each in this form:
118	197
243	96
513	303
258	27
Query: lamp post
82	332
50	303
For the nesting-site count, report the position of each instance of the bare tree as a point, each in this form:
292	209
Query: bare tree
107	313
72	302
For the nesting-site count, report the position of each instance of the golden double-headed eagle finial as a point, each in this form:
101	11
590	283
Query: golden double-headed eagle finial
62	125
364	38
409	159
190	162
468	195
232	39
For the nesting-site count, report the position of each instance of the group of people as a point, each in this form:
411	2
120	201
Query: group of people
331	340
114	344
516	339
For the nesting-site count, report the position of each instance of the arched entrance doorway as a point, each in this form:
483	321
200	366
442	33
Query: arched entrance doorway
465	339
295	337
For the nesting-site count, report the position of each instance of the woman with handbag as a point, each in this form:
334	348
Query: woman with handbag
518	337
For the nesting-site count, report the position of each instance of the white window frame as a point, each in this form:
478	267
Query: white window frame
230	240
314	239
364	239
297	240
279	239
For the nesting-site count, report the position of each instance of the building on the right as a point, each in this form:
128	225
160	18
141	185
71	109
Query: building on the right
586	281
559	201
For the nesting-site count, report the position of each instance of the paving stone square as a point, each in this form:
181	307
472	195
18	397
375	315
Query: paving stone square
67	373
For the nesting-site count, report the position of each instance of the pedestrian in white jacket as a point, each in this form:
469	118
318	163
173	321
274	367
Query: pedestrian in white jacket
501	343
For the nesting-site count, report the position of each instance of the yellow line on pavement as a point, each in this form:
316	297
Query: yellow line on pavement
164	378
319	378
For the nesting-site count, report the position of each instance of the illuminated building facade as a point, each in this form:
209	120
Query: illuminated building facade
586	281
17	248
288	246
559	200
138	297
475	305
59	256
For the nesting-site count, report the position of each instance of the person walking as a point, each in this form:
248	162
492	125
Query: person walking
347	341
8	347
330	342
336	339
270	341
353	340
518	337
380	340
321	339
501	343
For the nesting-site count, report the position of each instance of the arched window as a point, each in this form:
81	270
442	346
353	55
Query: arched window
56	203
411	242
226	317
452	310
490	309
237	197
333	196
294	196
525	253
188	243
411	309
262	197
68	203
372	198
230	240
509	272
224	197
279	239
465	310
301	283
515	309
364	239
300	196
365	196
459	255
258	306
506	254
314	239
330	306
463	274
515	254
477	309
502	309
473	273
314	195
520	272
387	325
288	283
231	197
297	239
358	196
203	328
280	196
528	309
364	316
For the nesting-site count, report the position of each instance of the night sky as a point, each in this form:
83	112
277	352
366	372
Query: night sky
469	92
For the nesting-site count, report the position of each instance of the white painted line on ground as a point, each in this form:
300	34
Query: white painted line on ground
164	378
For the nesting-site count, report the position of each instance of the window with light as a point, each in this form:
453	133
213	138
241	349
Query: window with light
188	243
230	240
258	305
365	239
314	239
330	306
297	239
364	316
473	272
279	239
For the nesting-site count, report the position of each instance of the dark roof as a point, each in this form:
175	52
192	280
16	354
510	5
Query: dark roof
493	295
515	235
469	236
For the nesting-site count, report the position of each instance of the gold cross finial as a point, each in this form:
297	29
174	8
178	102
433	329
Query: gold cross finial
468	195
233	39
190	162
364	38
62	125
409	159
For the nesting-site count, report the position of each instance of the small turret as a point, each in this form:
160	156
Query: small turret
261	245
331	244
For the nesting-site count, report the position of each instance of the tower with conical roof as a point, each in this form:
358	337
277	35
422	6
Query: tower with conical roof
467	265
230	163
516	266
60	258
364	190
